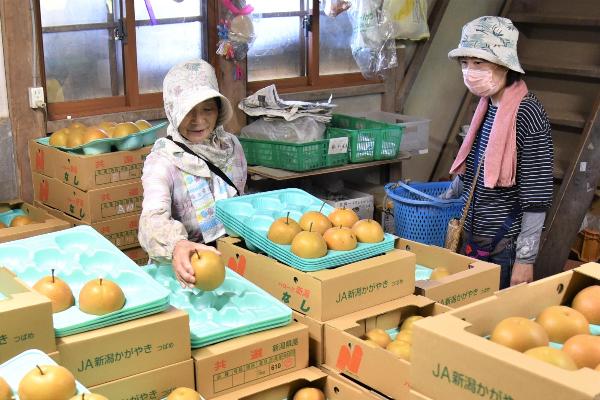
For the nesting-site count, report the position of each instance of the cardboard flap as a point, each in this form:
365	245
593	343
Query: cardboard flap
590	269
431	256
382	312
341	388
441	323
10	284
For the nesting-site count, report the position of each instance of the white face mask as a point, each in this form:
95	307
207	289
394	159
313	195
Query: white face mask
481	82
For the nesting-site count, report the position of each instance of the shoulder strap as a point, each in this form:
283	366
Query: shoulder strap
212	167
463	218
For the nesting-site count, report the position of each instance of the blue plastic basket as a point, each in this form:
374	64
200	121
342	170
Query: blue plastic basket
419	214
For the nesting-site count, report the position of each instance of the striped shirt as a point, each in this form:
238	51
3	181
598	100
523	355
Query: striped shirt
533	188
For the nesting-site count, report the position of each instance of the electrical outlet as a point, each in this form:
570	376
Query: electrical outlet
36	97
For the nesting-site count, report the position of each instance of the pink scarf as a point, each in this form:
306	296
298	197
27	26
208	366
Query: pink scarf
500	162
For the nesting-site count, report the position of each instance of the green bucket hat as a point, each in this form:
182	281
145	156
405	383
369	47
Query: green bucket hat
493	39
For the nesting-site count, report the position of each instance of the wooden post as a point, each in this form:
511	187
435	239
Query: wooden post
18	42
234	90
573	200
392	80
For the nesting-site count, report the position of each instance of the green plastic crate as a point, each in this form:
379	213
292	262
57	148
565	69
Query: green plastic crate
368	140
291	156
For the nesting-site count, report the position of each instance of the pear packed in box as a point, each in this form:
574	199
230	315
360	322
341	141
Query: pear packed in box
567	336
301	230
34	375
14	218
78	138
90	282
222	305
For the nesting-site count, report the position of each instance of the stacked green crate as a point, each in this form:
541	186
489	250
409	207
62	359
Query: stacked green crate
291	156
368	140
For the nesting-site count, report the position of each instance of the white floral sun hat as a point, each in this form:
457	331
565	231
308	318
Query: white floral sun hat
490	38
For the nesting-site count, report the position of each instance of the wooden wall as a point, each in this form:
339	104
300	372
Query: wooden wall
25	122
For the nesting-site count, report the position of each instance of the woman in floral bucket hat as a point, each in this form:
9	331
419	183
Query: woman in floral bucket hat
510	138
197	164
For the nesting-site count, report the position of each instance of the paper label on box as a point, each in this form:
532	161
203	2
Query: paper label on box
226	379
338	145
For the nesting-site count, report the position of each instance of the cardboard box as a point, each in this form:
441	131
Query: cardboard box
44	222
328	293
335	387
414	395
347	353
376	190
469	280
155	384
87	172
55	356
316	339
120	231
122	350
361	203
25	318
95	205
224	367
138	255
457	362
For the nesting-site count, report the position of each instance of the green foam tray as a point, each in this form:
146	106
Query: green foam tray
78	255
236	308
251	216
131	142
422	273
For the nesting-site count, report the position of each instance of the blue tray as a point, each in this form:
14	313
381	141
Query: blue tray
251	216
237	307
78	255
130	142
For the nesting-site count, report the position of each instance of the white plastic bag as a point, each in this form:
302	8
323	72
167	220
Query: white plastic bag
409	18
300	130
373	46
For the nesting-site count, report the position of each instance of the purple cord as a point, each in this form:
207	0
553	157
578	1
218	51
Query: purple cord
150	12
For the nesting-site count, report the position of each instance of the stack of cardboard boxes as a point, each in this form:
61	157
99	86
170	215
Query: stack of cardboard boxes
146	357
340	305
103	190
143	358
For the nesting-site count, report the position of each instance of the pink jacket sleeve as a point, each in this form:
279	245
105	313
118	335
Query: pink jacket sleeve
158	231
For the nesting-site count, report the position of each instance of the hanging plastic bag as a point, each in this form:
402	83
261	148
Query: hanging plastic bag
409	18
372	43
333	8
